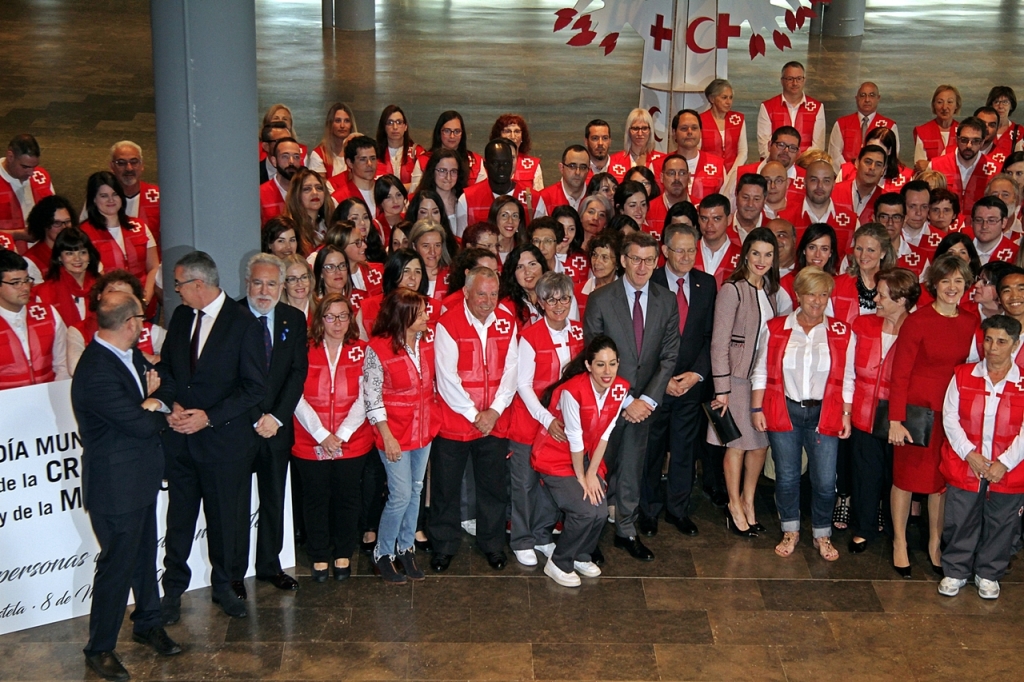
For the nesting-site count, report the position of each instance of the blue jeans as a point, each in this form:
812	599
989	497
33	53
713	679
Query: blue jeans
397	528
821	465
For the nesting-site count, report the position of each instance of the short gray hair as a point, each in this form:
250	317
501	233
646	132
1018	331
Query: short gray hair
479	271
200	265
125	143
265	259
601	199
554	283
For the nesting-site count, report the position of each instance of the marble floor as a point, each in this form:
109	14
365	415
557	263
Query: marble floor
79	76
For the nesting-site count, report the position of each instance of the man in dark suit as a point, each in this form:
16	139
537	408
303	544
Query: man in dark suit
643	320
284	339
122	466
677	422
214	351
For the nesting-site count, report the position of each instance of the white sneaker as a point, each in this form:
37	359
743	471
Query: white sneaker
564	579
470	527
611	513
527	557
950	587
587	568
547	550
987	589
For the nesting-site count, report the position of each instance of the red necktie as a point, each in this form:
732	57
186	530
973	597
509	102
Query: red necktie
684	305
638	322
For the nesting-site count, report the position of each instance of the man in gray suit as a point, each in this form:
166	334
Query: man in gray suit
643	320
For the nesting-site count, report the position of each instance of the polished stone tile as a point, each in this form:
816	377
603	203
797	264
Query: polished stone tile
610	593
750	562
454	591
879	664
929	665
735	595
366	591
288	624
371	624
594	662
906	596
353	661
819	595
861	630
470	661
771	628
232	661
720	662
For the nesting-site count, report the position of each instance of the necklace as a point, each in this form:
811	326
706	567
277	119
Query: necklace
865	296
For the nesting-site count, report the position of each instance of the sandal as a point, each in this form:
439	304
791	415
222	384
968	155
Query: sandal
825	548
788	544
841	512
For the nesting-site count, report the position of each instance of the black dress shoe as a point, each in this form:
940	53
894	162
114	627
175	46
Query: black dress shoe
440	562
318	575
231	604
170	610
719	498
423	545
597	556
157	638
107	665
281	581
857	547
685	526
367	547
648	526
937	570
497	560
342	573
636	549
903	571
238	587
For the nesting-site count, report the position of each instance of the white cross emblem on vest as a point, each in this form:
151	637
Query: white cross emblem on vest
37	312
1004	255
843	219
735	119
502	326
912	259
576	332
355	354
838	327
373	276
710	169
152	195
618	392
618	169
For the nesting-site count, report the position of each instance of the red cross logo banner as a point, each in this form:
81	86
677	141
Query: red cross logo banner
660	32
912	259
618	392
355	353
576	332
989	168
38	177
838	327
37	312
374	276
152	195
618	169
843	219
502	326
710	169
526	162
1005	255
735	119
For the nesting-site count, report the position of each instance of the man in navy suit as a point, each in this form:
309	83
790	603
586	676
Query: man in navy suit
215	352
284	340
678	420
117	397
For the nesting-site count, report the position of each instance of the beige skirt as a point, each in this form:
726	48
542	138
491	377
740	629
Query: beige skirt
739	408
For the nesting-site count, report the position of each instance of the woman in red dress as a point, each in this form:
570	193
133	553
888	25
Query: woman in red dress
932	342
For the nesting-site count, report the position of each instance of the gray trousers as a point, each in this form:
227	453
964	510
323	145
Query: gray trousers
625	456
979	530
533	511
583	521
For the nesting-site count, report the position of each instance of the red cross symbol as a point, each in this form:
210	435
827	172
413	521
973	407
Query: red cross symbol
526	162
430	308
356	297
522	197
579	263
444	280
735	260
656	234
429	335
37	312
843	219
6	243
618	392
618	169
502	326
710	169
912	259
934	240
735	119
837	327
1019	384
1005	255
659	32
971	293
38	177
576	332
568	269
989	168
898	181
144	336
152	195
798	183
355	353
881	122
373	276
998	157
411	154
810	106
136	225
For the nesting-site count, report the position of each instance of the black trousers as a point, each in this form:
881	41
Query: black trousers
220	486
675	427
490	472
870	483
127	561
844	468
271	469
332	498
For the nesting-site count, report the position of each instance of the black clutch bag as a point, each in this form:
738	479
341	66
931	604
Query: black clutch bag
724	425
919	422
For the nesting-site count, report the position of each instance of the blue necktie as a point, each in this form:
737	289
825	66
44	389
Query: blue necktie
268	342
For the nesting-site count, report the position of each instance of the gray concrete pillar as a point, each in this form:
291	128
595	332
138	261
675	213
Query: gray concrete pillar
204	73
354	15
327	14
839	18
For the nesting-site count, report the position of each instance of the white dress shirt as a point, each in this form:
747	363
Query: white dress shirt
527	371
310	420
955	433
571	415
764	126
22	190
712	259
19	323
209	317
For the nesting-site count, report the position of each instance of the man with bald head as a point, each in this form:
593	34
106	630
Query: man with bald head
848	133
818	207
499	162
785	235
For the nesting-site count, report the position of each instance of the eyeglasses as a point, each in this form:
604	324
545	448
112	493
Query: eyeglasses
782	146
675	173
62	224
576	167
601	258
793	79
451	132
447	172
137	317
969	141
124	163
19	282
991	222
543	241
640	129
331	319
1002	101
558	300
295	280
637	260
178	285
679	252
889	217
331	267
394	123
507	215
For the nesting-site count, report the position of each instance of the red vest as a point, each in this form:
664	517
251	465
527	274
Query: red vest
619	163
776	414
414	415
40	253
17	370
726	267
553	196
326	156
61	292
373	280
845	299
577	268
132	259
552	458
479	198
11	217
871	371
145	342
1005	143
475	162
916	260
975	188
480	369
1005	251
842	220
149	208
271	200
711	138
806	115
332	403
404	173
523	427
842	199
930	137
849	127
1009	418
526	170
707	178
7	244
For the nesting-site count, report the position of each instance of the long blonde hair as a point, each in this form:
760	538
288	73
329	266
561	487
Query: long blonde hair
634	116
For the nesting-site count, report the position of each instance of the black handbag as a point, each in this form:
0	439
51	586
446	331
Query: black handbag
919	423
724	425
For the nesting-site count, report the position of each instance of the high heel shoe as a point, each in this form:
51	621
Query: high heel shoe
903	571
730	523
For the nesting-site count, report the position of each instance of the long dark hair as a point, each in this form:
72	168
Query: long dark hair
412	211
375	252
73	239
429	179
771	279
511	288
888	141
445	117
566	211
398	312
40	218
275	227
578	365
92	188
394	267
318	268
382	131
959	238
814	232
